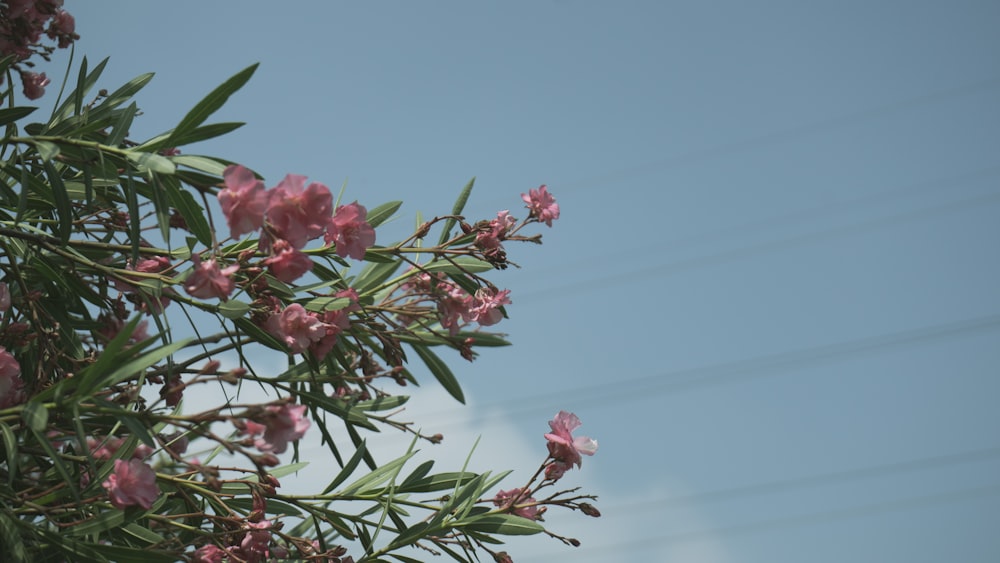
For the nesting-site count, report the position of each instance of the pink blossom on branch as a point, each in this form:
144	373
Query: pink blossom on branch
563	447
11	385
350	231
208	280
296	327
243	200
521	501
542	205
299	214
132	483
287	263
485	306
34	84
283	424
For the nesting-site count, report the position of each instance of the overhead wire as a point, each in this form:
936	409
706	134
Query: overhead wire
783	523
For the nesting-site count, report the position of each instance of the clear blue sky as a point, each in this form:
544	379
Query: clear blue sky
774	292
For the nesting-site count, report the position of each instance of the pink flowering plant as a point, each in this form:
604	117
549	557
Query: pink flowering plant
135	277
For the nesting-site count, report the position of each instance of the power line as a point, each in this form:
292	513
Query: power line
894	468
760	248
782	523
783	135
759	367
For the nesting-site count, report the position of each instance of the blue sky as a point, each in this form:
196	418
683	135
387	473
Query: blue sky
772	295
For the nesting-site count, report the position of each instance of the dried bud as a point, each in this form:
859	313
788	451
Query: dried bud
502	557
267	460
574	542
437	438
590	510
423	230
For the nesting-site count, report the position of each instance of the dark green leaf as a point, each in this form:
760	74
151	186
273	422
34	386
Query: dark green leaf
61	196
147	162
382	213
46	150
505	524
201	133
10	450
121	128
185	204
35	415
461	264
234	309
441	372
210	104
382	403
103	522
138	430
373	275
348	469
10	115
459	206
434	483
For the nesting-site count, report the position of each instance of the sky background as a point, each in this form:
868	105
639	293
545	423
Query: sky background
772	295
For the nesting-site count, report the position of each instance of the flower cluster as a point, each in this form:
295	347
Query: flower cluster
292	214
275	427
564	449
22	25
456	307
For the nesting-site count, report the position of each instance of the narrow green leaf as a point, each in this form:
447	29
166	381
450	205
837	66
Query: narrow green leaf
10	115
374	275
504	524
147	162
210	104
320	304
461	264
348	469
46	150
202	163
382	403
382	213
378	476
234	309
139	430
131	368
457	209
185	204
434	483
122	126
441	372
35	415
103	522
10	449
142	533
202	133
74	102
57	461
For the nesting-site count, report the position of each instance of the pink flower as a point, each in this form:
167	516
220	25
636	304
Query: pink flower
243	200
486	304
299	215
207	280
524	505
4	297
63	28
34	84
209	554
254	546
11	385
556	469
562	445
296	327
133	482
286	263
350	231
542	205
453	303
283	424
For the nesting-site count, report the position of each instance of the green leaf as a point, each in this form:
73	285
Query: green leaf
147	162
461	264
74	101
139	430
35	415
202	163
193	214
61	196
373	275
434	483
504	524
378	476
348	468
382	213
382	403
441	372
320	304
457	209
234	309
103	522
10	449
131	368
46	150
201	133
11	115
121	128
142	533
210	104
